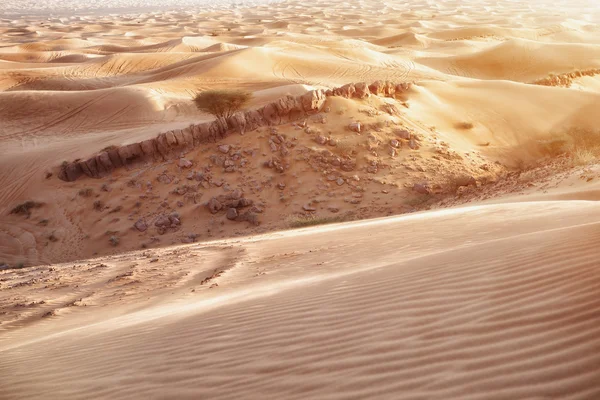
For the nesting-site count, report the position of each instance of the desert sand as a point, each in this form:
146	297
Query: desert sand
432	239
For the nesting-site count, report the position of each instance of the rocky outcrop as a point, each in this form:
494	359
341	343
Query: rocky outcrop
566	79
171	144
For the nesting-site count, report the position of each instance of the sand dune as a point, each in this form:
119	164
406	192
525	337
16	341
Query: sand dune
456	253
519	60
453	315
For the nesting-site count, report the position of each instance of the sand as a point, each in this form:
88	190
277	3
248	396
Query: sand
461	263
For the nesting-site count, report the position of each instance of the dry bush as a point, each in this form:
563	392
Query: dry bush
5	266
464	125
370	111
301	221
580	144
25	208
419	200
222	103
87	192
583	157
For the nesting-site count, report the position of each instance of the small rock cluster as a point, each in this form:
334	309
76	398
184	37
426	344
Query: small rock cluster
162	222
232	203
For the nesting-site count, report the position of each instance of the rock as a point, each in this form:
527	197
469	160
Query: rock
313	100
377	87
164	178
174	218
214	205
412	143
244	202
464	180
348	165
340	181
402	134
249	216
333	142
70	172
355	127
372	169
361	90
308	207
217	160
321	139
346	91
236	194
162	221
141	225
281	186
395	143
224	148
232	214
421	188
392	152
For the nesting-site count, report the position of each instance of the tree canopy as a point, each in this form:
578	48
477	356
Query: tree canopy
222	103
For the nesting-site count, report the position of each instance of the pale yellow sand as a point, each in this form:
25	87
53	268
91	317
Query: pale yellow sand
494	301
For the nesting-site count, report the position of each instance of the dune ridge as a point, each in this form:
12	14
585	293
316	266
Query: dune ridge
167	144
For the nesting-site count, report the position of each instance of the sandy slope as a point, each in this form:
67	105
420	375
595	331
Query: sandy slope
498	300
501	302
70	87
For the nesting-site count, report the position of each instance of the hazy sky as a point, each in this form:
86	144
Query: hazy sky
24	7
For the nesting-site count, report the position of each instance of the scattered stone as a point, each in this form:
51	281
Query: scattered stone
308	207
340	181
214	206
185	163
164	178
232	214
395	143
224	148
355	127
412	143
321	139
141	225
403	134
250	216
162	221
421	188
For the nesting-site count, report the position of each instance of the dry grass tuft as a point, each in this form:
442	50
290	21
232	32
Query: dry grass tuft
464	125
25	208
302	221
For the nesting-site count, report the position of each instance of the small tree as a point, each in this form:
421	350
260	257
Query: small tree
222	103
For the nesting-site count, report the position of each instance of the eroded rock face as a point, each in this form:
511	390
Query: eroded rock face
169	145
